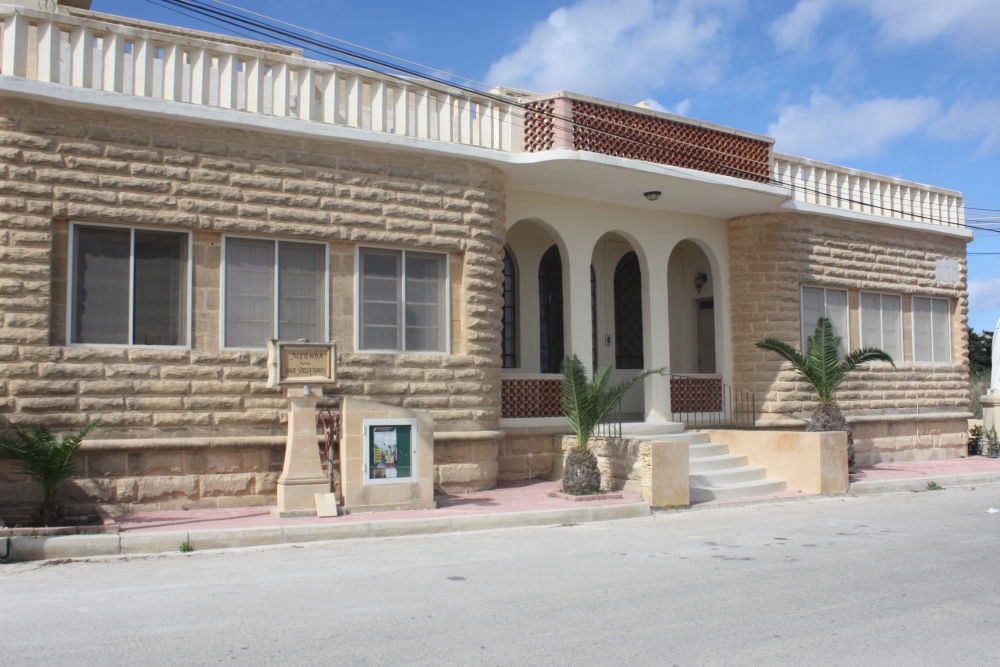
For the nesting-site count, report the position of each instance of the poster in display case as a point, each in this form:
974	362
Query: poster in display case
389	450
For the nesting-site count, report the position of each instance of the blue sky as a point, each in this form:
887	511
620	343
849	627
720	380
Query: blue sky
908	88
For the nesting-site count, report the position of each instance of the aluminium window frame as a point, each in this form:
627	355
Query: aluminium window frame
861	320
446	343
71	273
845	337
913	330
274	295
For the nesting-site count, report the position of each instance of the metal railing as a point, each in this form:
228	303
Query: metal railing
703	401
610	425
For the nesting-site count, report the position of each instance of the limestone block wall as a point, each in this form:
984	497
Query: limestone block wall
773	256
531	453
60	164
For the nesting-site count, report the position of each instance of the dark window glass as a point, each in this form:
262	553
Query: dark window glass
628	313
508	336
550	311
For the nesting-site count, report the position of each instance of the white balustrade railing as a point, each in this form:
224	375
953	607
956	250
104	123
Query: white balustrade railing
824	184
84	50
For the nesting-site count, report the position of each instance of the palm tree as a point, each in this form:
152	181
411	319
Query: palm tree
585	403
47	457
824	370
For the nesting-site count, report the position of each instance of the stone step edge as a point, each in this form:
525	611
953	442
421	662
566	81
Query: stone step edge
25	548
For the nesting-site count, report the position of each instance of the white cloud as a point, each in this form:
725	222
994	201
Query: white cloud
682	107
970	24
984	293
972	120
831	129
620	49
795	29
650	103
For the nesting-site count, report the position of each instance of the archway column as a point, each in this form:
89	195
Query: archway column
576	294
657	341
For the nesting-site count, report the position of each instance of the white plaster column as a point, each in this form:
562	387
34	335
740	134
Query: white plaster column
576	302
302	473
656	336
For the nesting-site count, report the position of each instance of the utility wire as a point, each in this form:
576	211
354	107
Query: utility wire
259	26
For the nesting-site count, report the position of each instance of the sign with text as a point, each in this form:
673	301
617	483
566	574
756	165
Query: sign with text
290	363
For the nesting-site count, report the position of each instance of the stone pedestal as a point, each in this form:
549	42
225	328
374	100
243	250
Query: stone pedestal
302	475
991	412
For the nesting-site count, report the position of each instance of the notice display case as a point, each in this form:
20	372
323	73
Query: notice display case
390	451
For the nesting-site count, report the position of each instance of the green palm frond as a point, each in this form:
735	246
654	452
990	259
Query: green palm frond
585	403
820	364
46	457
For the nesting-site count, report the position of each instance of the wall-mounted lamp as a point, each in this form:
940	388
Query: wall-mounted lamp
652	195
699	280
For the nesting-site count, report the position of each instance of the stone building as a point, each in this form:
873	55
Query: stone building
170	199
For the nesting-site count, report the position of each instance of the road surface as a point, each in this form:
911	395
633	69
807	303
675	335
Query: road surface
895	579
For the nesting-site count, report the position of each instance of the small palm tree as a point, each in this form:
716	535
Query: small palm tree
47	458
585	403
824	370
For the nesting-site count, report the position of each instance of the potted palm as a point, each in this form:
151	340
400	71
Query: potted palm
585	403
824	370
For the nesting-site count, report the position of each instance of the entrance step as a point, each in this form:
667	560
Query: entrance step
719	462
764	487
727	476
643	430
715	474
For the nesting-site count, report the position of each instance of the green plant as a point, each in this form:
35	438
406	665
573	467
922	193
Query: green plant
979	384
186	547
933	486
824	370
585	403
47	458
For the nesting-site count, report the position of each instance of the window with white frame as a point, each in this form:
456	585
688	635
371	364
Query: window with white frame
882	323
403	300
820	302
274	289
931	330
128	286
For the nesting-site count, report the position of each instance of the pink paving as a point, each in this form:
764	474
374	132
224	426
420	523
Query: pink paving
511	497
920	469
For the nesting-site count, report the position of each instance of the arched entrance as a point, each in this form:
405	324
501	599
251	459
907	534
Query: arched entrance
617	290
691	289
533	329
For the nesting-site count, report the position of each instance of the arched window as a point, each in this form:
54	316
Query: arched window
508	334
550	311
628	313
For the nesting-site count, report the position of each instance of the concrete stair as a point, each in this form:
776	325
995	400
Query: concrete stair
716	474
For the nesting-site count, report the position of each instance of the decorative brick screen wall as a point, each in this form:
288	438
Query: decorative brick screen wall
531	397
639	136
695	394
539	126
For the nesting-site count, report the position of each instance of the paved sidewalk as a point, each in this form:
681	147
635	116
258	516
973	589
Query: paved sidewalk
534	503
916	475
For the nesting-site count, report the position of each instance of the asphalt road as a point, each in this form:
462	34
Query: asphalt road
876	580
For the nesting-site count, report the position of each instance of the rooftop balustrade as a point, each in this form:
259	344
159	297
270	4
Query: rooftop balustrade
101	52
117	55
